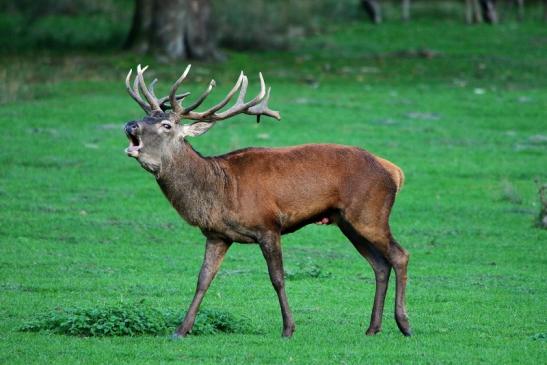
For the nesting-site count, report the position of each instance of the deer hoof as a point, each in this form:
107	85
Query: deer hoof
287	332
372	331
402	322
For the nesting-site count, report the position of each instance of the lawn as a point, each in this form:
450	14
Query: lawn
463	110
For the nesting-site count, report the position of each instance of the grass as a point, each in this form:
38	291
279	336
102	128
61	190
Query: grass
461	109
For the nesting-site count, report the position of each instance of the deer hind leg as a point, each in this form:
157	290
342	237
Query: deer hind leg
398	257
372	223
382	271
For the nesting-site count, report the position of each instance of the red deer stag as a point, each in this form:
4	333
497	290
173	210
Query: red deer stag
255	195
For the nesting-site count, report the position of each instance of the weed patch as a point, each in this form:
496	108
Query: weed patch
509	193
131	320
306	270
540	337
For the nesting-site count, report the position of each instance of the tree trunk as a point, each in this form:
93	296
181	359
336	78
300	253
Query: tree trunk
489	13
200	31
373	10
477	11
473	11
173	29
142	18
405	10
168	31
520	10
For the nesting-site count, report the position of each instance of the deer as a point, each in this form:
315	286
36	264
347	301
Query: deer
256	195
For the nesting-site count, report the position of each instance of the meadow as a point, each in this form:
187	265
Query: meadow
461	109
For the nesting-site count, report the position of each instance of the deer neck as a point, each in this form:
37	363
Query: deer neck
194	185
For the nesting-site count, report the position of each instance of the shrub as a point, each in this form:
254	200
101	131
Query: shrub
266	25
75	31
211	321
252	24
131	320
64	24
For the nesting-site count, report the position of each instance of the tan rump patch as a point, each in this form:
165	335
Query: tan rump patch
395	172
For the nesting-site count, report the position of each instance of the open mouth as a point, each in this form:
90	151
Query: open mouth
135	144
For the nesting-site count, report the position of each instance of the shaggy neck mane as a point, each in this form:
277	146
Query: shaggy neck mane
195	185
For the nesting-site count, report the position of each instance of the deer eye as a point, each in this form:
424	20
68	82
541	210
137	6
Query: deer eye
166	125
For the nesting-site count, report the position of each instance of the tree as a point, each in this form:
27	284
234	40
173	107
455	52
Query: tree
478	10
173	29
405	9
373	10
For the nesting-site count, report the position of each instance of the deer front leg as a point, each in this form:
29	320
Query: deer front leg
215	249
271	249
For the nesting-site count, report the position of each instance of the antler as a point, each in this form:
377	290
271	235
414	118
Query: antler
163	101
257	106
154	104
134	92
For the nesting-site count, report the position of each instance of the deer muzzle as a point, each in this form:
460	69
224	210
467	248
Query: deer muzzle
135	143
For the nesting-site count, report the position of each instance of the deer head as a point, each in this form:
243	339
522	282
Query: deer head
162	130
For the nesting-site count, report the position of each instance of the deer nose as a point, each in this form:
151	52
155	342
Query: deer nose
131	127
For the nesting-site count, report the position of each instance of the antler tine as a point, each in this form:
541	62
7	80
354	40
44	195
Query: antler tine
135	95
203	96
136	88
243	91
151	99
240	106
162	101
241	97
226	100
177	108
165	99
151	88
136	92
262	109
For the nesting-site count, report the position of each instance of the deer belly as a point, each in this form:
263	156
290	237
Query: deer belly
319	211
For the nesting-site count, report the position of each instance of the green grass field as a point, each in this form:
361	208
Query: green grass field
463	110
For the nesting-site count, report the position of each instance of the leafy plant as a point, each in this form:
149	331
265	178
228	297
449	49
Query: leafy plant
130	320
211	321
509	193
305	270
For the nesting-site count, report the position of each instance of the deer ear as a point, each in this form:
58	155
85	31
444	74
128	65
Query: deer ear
196	129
